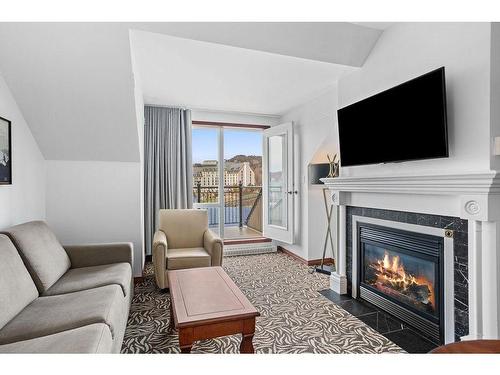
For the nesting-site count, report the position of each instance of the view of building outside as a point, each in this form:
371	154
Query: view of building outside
235	172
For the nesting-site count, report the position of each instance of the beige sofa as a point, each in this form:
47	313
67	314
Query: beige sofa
184	241
57	299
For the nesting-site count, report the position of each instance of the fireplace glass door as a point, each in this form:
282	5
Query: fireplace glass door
409	280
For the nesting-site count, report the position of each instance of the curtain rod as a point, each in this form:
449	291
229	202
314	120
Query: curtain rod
211	110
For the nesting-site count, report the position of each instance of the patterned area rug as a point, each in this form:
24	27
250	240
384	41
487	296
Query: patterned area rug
295	318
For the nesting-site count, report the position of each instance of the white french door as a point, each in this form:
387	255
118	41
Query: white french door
227	175
279	192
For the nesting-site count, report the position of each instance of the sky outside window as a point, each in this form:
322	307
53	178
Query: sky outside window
236	142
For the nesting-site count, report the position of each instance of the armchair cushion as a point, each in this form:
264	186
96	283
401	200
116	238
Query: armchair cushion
84	278
99	254
42	253
191	257
184	228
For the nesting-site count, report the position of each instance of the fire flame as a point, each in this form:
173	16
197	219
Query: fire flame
390	270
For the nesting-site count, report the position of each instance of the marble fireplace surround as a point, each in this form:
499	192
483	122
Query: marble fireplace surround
474	197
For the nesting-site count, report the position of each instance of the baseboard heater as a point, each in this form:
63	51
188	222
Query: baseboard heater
249	249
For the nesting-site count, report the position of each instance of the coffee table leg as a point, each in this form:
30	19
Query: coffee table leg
185	339
247	336
246	344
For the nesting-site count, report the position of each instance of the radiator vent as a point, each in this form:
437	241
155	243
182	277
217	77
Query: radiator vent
249	249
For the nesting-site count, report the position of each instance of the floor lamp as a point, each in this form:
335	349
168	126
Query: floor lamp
325	268
316	172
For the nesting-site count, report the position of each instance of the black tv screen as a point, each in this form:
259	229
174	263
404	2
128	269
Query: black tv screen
406	122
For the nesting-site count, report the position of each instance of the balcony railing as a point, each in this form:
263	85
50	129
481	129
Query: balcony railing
241	204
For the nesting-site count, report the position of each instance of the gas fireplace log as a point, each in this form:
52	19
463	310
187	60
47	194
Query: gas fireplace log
385	272
417	294
420	293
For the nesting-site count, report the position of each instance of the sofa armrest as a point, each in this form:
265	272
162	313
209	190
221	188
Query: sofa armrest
214	246
160	247
99	254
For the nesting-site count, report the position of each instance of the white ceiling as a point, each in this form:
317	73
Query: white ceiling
74	82
193	74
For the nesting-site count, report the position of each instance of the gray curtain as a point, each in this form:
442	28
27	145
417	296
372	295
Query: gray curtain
167	164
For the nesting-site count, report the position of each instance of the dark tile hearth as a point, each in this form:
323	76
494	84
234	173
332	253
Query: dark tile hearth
335	297
358	308
382	322
410	341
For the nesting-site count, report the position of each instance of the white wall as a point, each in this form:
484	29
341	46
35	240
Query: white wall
24	200
89	202
315	130
495	91
407	50
139	112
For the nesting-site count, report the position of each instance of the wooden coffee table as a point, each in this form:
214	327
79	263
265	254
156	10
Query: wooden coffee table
206	303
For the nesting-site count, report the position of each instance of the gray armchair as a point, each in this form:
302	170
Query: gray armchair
184	241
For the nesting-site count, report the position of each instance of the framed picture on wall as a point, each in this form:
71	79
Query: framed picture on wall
5	152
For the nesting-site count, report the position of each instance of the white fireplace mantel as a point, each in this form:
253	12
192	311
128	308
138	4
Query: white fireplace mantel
472	196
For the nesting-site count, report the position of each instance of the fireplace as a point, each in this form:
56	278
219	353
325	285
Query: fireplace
401	272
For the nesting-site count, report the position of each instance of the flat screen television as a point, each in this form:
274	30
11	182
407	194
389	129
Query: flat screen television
406	122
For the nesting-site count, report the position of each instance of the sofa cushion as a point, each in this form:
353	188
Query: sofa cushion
94	338
184	227
54	314
17	289
77	279
187	258
42	253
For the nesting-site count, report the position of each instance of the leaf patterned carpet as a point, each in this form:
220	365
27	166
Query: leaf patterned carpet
295	318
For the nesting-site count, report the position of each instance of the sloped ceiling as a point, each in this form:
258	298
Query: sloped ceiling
341	43
74	82
74	85
199	75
